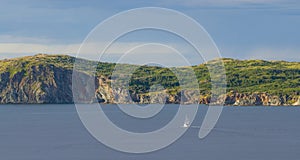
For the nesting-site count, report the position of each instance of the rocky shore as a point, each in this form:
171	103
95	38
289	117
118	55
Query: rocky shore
105	94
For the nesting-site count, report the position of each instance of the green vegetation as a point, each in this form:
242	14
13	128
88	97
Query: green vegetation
245	76
274	77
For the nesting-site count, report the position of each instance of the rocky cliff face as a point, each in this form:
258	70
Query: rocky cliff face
241	99
51	84
38	84
105	94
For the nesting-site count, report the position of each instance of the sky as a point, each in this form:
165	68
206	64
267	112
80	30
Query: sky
242	29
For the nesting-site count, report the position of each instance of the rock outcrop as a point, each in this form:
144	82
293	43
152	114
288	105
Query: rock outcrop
297	103
38	84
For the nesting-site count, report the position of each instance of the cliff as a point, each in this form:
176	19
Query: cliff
105	94
48	79
38	84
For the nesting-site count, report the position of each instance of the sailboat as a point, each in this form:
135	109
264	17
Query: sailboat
186	123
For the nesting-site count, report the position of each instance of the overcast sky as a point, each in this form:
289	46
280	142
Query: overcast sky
243	29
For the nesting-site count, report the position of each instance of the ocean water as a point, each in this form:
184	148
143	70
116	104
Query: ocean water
48	132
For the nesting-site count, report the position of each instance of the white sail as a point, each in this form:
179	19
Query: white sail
186	123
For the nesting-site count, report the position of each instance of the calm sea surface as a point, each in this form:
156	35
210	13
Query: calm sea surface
55	132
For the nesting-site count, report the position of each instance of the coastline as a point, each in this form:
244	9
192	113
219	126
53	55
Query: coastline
48	79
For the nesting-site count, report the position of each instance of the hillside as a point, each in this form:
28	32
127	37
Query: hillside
48	79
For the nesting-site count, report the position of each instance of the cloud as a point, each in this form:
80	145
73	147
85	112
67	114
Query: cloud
164	55
35	48
112	54
20	39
